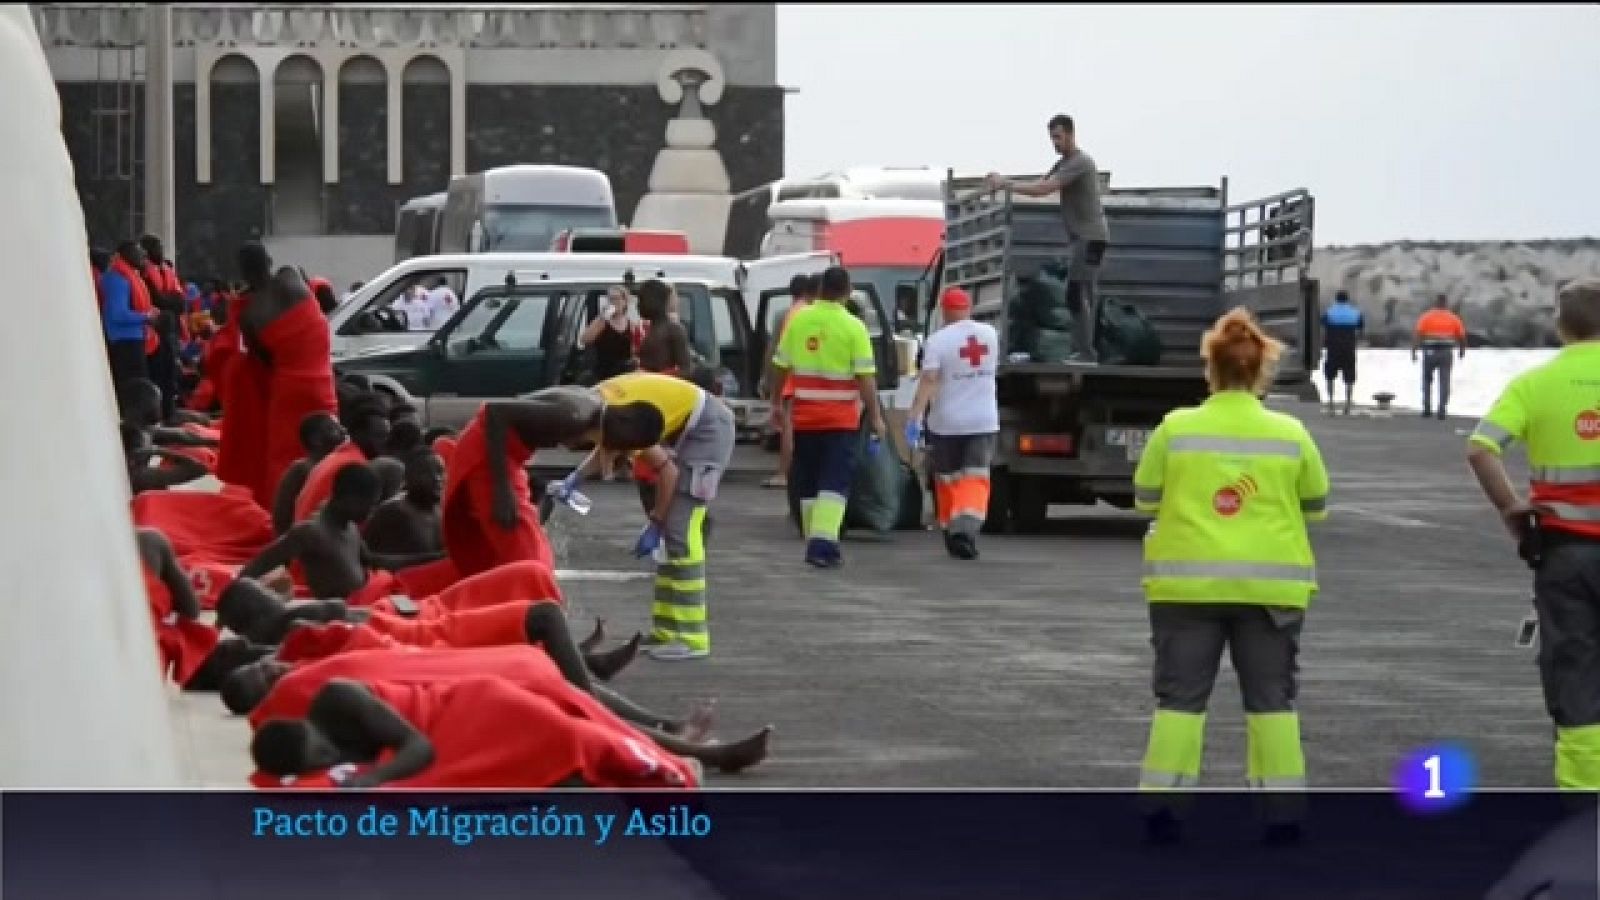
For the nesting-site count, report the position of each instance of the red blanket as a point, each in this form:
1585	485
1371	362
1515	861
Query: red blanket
319	481
183	644
301	384
225	528
492	733
475	542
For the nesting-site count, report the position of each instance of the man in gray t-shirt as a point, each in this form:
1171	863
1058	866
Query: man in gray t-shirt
1076	179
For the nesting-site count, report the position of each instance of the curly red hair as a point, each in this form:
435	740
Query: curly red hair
1239	355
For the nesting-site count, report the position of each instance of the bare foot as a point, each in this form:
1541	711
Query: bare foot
606	665
594	639
740	755
697	725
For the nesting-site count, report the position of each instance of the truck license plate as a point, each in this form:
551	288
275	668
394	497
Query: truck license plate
1130	438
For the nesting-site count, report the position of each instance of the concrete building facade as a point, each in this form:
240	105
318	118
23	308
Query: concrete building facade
308	126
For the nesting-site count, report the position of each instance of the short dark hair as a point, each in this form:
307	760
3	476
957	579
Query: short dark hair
100	258
1578	309
1061	121
138	390
279	746
241	691
1342	297
255	263
127	248
310	422
405	435
835	284
631	426
653	297
803	285
357	481
359	407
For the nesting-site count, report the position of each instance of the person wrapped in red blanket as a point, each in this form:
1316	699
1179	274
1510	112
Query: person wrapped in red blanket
141	407
484	732
192	653
284	374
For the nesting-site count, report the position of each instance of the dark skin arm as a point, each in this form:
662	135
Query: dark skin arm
157	554
294	479
281	552
391	562
495	428
348	705
666	480
678	348
181	470
177	437
537	423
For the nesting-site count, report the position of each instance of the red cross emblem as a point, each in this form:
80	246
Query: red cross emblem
973	351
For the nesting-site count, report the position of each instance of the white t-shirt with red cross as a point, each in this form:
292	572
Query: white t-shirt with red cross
965	355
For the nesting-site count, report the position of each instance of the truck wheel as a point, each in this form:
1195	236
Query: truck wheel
998	518
1030	507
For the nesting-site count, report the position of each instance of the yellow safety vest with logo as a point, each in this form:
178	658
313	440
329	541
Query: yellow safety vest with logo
1555	409
1232	485
825	348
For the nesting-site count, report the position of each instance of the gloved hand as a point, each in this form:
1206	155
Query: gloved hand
562	490
649	540
913	434
874	444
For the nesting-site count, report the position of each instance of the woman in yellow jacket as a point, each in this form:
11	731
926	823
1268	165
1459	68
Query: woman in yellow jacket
1228	564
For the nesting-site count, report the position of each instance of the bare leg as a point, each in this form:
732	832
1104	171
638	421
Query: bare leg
693	727
729	758
593	640
605	666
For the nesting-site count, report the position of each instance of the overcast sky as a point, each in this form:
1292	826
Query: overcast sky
1421	122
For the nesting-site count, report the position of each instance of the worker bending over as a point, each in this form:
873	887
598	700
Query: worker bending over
1555	409
1228	564
700	430
957	391
828	353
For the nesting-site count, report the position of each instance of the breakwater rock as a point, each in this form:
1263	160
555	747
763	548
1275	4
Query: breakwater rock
1504	291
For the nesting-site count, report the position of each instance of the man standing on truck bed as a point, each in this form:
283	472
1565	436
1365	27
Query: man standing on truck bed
957	390
1075	177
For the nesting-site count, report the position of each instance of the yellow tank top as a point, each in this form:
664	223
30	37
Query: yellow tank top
677	400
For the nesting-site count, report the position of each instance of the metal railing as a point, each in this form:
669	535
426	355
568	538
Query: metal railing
1268	240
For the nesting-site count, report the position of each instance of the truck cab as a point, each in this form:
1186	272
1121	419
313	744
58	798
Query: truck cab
1073	432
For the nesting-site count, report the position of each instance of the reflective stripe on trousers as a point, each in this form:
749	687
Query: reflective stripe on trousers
962	499
679	612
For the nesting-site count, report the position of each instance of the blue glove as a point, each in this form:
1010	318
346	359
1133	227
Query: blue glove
562	490
874	444
913	434
649	540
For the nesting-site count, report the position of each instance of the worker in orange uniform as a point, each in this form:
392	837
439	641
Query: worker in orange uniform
828	353
802	289
1439	332
957	391
1228	564
1555	410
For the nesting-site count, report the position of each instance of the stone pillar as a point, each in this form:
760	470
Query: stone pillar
689	188
160	205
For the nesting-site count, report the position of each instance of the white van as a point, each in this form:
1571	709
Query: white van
416	228
521	209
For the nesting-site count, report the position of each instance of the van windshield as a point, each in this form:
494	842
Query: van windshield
531	229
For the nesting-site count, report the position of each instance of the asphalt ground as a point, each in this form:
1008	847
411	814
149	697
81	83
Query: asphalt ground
1031	666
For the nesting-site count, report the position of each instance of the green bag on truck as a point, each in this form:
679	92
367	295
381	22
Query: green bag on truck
1124	337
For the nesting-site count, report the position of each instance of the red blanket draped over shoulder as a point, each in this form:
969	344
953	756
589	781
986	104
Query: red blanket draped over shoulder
183	644
319	481
489	732
474	541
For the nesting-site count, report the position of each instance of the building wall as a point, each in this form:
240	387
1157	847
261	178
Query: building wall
588	97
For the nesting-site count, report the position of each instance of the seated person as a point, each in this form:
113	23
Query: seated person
365	420
410	522
141	404
320	435
193	653
328	548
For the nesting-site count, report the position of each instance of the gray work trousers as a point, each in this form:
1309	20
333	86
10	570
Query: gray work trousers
1189	639
1437	359
1083	280
1566	598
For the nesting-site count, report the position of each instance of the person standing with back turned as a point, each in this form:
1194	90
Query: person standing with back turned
1439	331
1228	563
1075	177
1555	409
828	353
1342	326
957	390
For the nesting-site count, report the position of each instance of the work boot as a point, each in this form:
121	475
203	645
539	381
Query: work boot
823	554
1441	414
962	546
